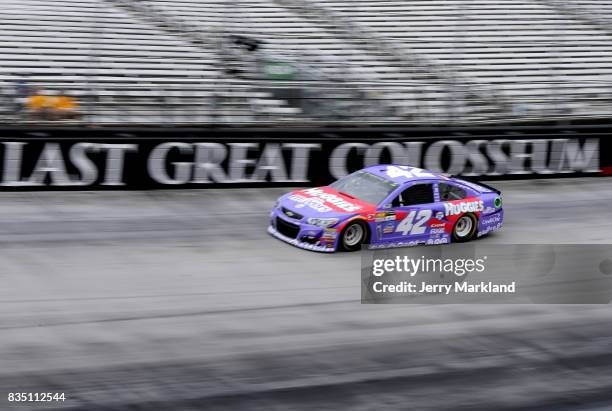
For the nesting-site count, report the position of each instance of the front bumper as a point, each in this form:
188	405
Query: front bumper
301	244
301	234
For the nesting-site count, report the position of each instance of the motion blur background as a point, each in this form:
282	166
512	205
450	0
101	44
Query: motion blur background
178	299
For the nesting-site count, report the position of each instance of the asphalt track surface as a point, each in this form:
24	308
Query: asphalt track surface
179	300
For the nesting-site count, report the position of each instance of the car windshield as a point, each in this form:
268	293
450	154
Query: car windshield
365	186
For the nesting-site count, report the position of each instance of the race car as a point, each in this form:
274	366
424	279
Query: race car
386	206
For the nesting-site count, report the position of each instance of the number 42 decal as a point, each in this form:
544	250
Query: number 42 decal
409	226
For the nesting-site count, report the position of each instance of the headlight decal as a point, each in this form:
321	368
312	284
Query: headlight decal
323	222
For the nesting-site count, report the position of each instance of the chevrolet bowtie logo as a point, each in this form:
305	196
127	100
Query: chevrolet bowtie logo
290	213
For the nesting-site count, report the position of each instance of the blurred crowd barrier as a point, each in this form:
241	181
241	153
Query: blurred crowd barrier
292	102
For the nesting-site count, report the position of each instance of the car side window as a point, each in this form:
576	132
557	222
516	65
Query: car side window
414	195
449	192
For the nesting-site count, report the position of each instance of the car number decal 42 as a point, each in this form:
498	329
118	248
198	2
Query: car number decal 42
409	226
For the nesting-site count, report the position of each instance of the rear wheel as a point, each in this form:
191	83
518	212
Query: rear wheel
465	228
353	236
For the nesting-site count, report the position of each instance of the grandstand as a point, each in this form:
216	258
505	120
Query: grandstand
154	62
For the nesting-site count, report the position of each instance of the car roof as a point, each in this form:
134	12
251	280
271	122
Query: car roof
403	174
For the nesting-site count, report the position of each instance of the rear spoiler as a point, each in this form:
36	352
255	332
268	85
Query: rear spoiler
473	181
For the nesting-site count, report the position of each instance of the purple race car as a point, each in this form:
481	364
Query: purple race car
386	206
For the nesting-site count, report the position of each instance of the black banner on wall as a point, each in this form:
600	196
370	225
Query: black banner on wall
83	159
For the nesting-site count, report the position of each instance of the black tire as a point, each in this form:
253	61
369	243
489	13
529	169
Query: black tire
353	236
465	228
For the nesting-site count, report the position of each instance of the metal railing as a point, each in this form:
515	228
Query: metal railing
308	103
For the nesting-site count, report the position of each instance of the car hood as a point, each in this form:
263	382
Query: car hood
324	202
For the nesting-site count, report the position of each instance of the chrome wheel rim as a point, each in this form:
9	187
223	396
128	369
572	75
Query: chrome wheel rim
464	227
353	235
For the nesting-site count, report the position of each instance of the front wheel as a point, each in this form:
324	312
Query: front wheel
353	236
465	228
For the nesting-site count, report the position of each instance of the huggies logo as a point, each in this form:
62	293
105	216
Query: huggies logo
466	207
